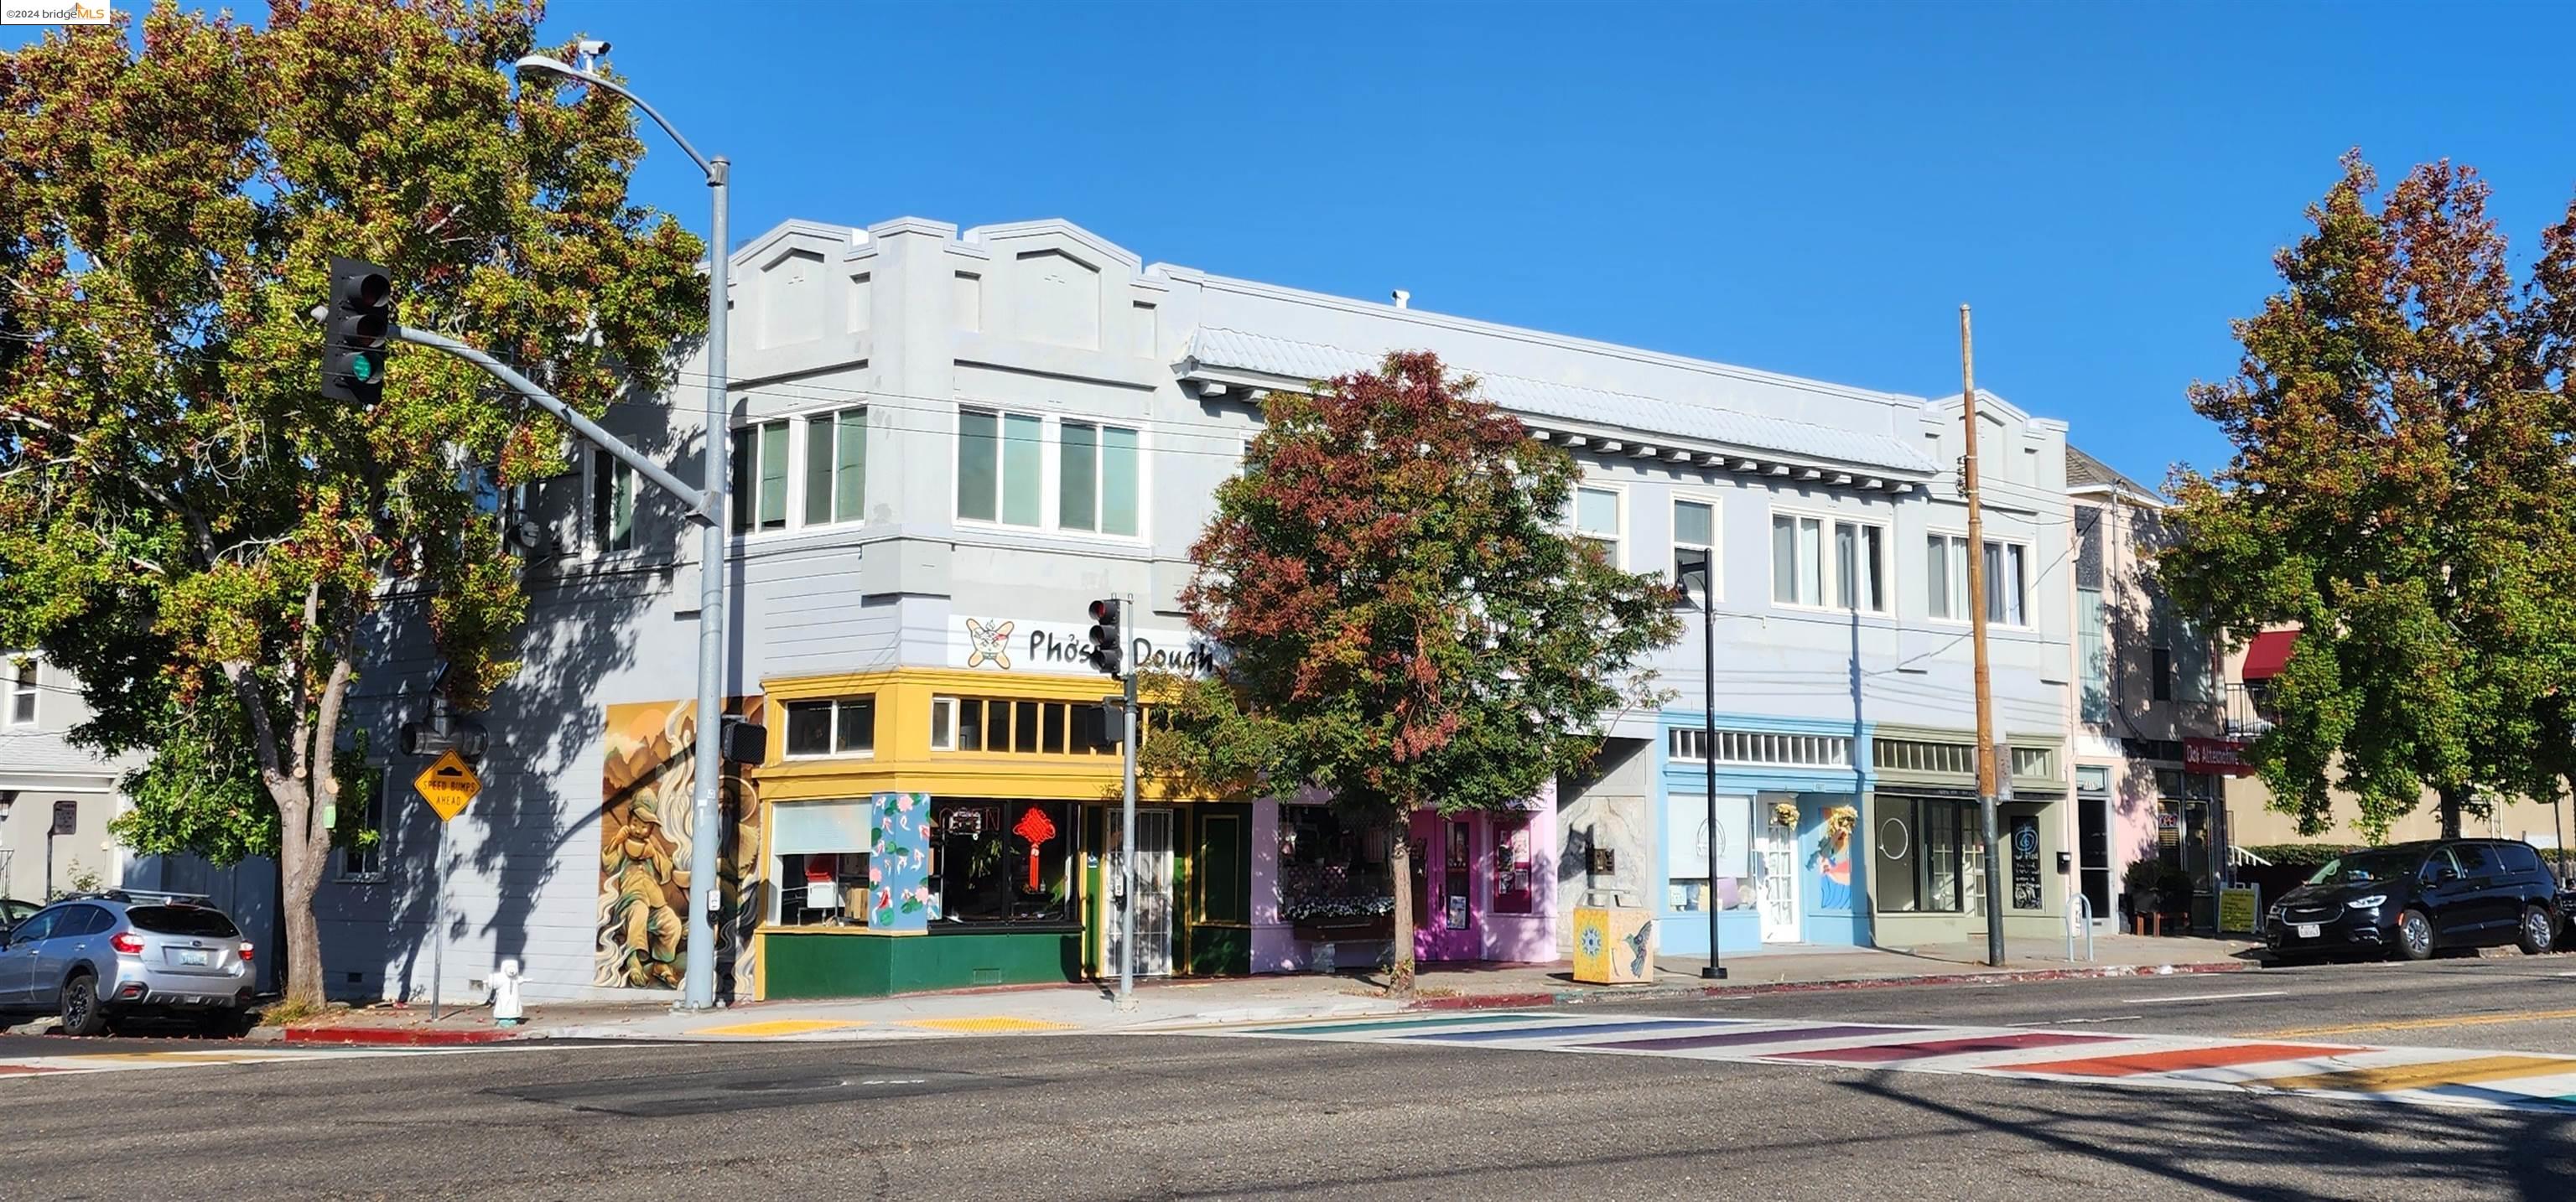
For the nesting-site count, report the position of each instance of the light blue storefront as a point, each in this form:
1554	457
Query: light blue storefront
1797	881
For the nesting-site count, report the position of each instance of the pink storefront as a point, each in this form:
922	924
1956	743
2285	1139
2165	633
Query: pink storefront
1484	887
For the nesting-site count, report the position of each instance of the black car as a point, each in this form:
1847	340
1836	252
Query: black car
2411	899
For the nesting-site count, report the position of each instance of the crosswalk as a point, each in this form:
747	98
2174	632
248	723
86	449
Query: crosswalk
2413	1075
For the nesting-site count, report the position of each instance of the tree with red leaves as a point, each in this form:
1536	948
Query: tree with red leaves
1408	623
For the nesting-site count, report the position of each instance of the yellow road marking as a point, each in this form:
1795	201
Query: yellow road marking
2412	1024
990	1025
780	1026
2420	1076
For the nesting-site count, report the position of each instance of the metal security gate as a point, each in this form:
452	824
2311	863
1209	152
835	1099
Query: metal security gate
1154	897
1776	886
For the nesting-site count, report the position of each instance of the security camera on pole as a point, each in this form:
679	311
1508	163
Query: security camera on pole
1106	649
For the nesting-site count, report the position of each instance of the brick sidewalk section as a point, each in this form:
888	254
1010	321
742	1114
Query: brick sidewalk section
1184	1003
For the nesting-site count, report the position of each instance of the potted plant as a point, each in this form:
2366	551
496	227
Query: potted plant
2140	883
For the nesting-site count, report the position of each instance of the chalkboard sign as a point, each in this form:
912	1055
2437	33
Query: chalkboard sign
2025	862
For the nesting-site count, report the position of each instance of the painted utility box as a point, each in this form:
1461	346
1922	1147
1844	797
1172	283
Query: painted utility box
1613	944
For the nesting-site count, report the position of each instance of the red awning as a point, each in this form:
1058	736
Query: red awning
2267	653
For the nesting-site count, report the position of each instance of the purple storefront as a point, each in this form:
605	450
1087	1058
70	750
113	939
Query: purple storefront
1484	887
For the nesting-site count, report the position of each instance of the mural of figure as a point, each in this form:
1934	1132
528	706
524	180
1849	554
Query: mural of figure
1832	859
648	776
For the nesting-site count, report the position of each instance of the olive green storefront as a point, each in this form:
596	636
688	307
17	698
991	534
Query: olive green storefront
1927	854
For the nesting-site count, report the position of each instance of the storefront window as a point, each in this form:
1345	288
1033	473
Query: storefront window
819	865
1331	872
1511	864
1686	850
1001	861
1931	857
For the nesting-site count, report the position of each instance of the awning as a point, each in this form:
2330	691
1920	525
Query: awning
2270	650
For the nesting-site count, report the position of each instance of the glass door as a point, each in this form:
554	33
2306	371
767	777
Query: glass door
1153	896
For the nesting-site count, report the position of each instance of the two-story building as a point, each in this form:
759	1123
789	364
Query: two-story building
946	444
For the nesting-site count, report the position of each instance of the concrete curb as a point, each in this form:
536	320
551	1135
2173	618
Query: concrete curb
1580	997
398	1037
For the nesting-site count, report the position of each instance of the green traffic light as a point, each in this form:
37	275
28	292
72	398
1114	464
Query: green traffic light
364	368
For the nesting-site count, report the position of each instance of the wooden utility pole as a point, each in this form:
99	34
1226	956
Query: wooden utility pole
1986	768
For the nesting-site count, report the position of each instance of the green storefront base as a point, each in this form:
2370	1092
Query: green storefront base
818	965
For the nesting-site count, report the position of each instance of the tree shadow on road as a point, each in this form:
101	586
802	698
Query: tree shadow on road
2228	1144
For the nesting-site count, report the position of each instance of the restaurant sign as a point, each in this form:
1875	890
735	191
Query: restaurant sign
2219	757
1021	645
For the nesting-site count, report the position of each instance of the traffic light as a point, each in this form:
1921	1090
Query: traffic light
355	331
1104	651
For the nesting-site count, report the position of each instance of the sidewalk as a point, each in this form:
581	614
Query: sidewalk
1173	1004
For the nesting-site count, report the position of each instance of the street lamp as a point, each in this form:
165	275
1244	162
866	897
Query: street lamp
699	983
1689	562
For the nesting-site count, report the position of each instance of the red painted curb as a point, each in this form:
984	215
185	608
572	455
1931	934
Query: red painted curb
1577	997
396	1038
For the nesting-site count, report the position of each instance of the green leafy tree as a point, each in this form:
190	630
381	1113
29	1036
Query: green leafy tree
2400	490
184	520
1407	624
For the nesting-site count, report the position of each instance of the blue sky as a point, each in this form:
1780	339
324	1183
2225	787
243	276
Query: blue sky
1804	188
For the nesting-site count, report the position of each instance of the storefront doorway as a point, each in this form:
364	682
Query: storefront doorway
1154	896
1775	882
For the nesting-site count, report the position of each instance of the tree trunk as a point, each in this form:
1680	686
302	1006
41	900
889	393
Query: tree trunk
1399	866
300	859
2453	798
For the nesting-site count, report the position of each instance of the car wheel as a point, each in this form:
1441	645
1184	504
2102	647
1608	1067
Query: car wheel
2414	935
82	1015
2539	931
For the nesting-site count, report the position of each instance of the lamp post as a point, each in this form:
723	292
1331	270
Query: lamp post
1696	563
699	983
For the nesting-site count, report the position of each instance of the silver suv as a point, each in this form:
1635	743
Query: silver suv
97	957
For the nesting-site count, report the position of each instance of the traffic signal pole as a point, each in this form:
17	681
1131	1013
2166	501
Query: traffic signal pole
1127	814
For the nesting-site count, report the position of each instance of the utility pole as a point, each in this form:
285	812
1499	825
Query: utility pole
1986	771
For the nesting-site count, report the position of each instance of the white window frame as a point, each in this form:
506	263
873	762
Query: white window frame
26	682
835	753
594	540
746	479
1051	506
1619	510
1716	539
375	865
1828	572
943	717
1959	613
800	452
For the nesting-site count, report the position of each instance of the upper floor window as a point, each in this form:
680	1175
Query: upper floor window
2007	580
612	504
998	467
1597	519
1695	538
760	477
1096	478
1804	573
1005	724
832	726
23	688
364	859
836	467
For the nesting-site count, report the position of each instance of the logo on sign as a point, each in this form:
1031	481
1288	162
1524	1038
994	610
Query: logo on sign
990	644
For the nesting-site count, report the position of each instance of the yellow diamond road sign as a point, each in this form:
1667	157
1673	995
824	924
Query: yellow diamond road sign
447	784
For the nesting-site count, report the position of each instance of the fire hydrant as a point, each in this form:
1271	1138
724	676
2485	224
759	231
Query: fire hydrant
505	994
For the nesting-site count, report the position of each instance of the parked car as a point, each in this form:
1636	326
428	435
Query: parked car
13	911
2412	899
96	958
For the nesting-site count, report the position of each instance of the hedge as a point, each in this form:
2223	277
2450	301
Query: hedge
2301	855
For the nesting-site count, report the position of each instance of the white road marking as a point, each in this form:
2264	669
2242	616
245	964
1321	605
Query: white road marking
2067	1022
2202	997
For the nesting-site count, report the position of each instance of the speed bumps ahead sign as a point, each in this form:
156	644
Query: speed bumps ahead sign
448	784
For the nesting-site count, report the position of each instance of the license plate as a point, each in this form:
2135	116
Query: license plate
2310	930
196	955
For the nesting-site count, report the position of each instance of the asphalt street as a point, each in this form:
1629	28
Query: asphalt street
1207	1115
